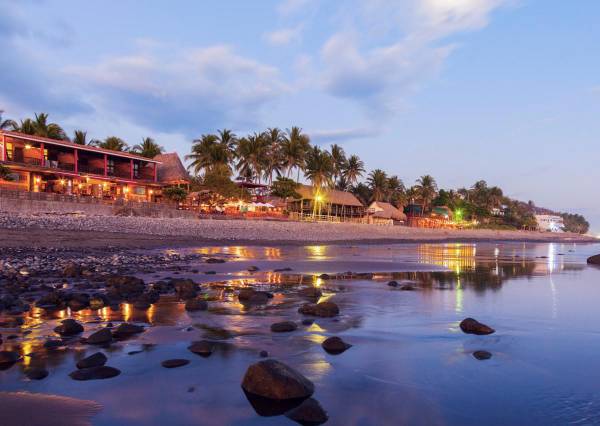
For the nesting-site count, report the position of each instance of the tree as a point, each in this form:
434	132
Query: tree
285	188
339	160
6	124
113	143
378	184
272	161
39	126
5	173
426	189
575	223
396	191
319	167
175	193
148	148
218	180
79	137
353	169
250	153
295	149
212	151
362	192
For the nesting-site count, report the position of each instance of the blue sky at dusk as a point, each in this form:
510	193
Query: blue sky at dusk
502	90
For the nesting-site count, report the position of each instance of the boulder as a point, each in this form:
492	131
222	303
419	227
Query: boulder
274	380
196	305
323	309
9	357
95	373
174	363
36	373
253	268
124	287
215	260
263	354
53	343
251	296
185	288
283	327
203	348
309	412
482	355
95	360
393	284
594	260
126	329
335	345
311	292
472	326
100	337
69	327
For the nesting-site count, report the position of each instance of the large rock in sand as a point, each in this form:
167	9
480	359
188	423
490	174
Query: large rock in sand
309	412
95	373
126	329
334	345
69	327
274	380
100	337
472	326
594	260
283	327
95	360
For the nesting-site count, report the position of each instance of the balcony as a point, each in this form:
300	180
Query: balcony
91	170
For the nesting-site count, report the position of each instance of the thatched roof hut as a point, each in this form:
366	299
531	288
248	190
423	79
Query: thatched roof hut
171	170
329	196
384	210
326	202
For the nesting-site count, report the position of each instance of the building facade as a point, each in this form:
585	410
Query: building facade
54	166
550	223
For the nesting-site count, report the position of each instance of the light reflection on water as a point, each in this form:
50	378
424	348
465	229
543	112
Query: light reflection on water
409	363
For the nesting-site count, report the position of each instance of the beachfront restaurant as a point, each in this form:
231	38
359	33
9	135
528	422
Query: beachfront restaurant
322	204
61	167
382	213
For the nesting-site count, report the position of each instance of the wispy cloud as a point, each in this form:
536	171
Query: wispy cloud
342	135
284	36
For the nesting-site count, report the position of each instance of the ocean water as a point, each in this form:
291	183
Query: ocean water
410	363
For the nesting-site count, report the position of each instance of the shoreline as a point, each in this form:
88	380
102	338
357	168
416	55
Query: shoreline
97	232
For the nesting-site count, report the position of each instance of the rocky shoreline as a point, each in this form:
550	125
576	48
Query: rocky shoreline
25	230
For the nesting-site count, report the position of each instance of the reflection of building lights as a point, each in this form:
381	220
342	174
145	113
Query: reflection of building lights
126	311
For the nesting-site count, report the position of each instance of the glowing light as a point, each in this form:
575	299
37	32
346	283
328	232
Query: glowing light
62	181
126	190
27	146
151	192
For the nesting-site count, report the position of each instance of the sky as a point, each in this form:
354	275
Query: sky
502	90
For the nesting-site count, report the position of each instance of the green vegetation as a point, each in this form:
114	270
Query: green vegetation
148	148
575	223
175	193
285	188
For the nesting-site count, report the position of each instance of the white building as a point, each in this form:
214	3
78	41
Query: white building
550	223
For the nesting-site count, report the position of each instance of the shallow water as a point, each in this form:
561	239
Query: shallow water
409	364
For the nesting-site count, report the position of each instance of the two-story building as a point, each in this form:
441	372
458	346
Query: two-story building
46	165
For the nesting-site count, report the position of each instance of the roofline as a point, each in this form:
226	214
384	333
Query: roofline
77	146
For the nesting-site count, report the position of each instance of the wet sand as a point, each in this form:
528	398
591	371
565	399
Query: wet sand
99	232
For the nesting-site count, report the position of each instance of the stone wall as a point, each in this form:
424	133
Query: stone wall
39	203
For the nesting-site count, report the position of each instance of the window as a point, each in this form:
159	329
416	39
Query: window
110	166
136	170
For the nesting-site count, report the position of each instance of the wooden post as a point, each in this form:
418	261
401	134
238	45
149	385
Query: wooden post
131	168
4	153
42	160
76	156
105	164
156	173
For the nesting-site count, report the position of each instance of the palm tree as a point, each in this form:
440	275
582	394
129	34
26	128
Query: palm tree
48	130
353	169
113	143
339	160
295	150
273	161
319	167
6	124
426	189
396	191
211	152
26	126
79	137
250	152
378	184
148	148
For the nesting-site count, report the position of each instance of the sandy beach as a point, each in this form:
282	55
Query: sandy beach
143	232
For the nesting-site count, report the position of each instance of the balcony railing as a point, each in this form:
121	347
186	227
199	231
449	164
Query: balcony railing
92	170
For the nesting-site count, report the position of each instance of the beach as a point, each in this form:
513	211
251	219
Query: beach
75	231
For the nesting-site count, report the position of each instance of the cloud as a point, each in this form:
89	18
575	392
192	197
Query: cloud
182	90
342	135
284	36
386	49
291	7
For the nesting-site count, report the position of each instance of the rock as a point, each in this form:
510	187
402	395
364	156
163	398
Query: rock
482	355
471	326
252	296
8	357
283	327
253	268
69	327
309	412
274	380
211	272
215	260
335	345
263	354
203	348
95	360
174	363
142	304
308	321
283	270
126	330
594	260
36	373
96	303
124	287
196	305
393	284
100	337
53	343
95	373
324	276
323	309
311	292
185	288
